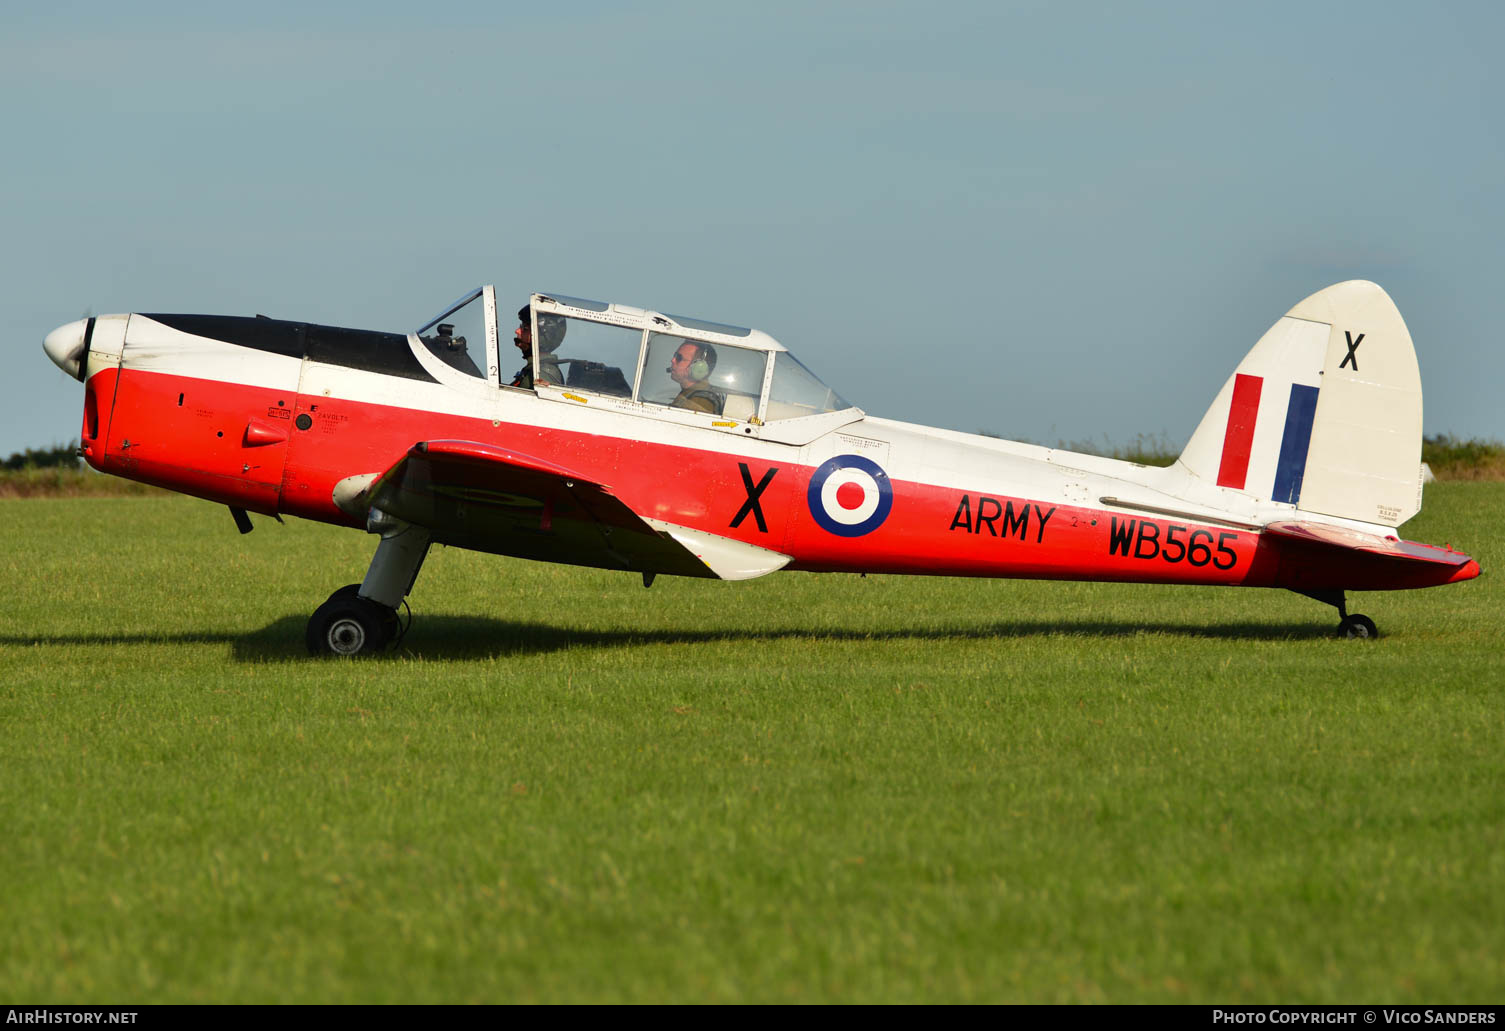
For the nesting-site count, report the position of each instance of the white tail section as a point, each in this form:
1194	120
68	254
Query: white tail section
1324	413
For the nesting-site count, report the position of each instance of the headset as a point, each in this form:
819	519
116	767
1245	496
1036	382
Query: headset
703	362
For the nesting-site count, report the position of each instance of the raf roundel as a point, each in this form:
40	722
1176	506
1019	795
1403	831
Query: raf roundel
850	496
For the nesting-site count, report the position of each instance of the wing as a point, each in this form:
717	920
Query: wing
488	498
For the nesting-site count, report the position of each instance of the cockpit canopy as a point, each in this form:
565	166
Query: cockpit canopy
640	360
628	352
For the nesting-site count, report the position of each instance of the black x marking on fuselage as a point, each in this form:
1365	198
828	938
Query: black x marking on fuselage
753	494
1353	347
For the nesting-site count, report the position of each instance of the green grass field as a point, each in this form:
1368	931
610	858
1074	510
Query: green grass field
804	788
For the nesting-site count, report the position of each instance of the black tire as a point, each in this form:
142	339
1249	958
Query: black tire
391	624
1358	627
348	625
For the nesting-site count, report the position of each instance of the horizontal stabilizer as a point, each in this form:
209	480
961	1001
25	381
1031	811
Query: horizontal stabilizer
1354	540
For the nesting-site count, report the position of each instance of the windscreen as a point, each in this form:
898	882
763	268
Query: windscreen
457	336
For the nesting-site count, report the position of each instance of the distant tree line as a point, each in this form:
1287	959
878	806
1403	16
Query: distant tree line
58	456
1449	456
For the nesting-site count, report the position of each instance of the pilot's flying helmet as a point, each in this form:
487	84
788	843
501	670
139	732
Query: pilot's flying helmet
551	328
550	332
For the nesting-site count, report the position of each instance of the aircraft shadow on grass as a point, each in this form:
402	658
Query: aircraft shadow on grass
476	637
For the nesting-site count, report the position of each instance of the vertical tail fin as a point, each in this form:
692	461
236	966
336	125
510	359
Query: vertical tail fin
1324	413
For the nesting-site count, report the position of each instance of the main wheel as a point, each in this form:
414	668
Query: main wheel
391	624
350	625
1358	626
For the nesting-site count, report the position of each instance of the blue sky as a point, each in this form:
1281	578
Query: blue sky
1047	221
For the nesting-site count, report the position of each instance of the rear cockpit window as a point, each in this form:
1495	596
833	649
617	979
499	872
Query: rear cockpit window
719	379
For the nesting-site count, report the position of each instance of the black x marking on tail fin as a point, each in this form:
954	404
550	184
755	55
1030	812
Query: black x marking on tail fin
1353	347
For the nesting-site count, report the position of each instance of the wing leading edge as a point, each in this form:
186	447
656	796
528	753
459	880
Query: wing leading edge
494	499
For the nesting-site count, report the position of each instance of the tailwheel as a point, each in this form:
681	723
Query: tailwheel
348	624
1352	627
1357	626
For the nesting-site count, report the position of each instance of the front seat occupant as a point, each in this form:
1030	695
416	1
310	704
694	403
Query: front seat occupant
551	330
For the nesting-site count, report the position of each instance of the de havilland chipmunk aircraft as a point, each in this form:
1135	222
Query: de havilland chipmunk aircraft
660	444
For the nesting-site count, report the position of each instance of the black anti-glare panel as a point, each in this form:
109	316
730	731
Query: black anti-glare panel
385	353
272	335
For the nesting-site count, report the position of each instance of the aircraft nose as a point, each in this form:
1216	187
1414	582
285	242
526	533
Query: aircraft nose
67	345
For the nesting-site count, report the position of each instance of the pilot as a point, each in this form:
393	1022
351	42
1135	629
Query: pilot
550	335
691	368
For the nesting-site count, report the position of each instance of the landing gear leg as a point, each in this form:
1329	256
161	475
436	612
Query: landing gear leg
1355	626
361	619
